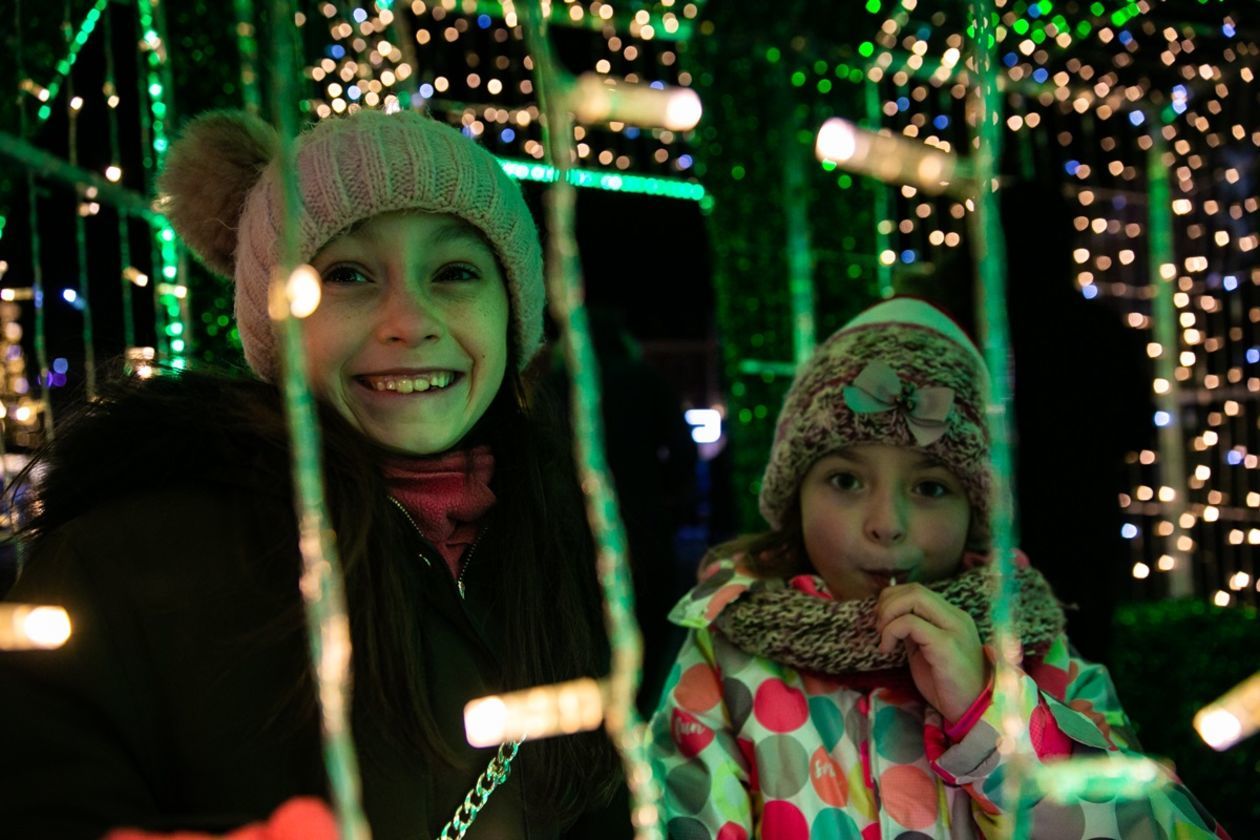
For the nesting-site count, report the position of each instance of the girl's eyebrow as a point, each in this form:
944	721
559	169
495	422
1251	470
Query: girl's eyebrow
847	455
459	232
928	462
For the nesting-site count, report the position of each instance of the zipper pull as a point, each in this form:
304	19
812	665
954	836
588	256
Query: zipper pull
460	584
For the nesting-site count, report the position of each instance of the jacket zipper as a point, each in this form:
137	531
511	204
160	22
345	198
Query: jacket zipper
459	582
463	569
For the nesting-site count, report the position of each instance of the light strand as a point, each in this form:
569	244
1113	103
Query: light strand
322	581
564	281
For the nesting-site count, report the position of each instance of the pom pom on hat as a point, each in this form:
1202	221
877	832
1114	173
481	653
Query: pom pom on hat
939	409
208	173
223	195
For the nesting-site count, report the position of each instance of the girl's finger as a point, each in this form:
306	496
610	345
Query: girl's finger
914	599
912	627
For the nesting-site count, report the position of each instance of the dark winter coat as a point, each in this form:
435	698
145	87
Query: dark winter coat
183	698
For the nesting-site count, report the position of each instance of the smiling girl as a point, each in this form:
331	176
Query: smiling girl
835	683
165	523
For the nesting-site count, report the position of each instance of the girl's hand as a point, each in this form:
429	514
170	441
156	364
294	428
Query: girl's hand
946	659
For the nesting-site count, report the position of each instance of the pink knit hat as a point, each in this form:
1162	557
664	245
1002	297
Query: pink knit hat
901	373
221	190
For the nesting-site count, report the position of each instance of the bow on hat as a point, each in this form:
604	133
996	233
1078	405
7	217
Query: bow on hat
878	388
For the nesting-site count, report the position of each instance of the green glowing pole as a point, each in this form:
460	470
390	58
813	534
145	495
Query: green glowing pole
322	582
990	258
800	258
1172	455
247	45
883	271
564	282
171	306
37	287
83	302
54	168
124	235
37	273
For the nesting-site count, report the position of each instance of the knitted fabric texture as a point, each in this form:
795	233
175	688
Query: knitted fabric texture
227	204
925	349
446	495
838	637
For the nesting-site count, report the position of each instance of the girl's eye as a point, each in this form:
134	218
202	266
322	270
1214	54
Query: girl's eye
843	481
933	489
345	274
457	273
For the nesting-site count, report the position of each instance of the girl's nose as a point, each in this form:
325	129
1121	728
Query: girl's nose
886	519
407	317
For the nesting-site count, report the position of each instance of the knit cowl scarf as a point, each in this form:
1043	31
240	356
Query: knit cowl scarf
447	496
792	625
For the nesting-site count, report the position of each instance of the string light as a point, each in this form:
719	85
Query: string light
31	627
542	712
302	291
1233	717
597	100
375	52
889	158
46	94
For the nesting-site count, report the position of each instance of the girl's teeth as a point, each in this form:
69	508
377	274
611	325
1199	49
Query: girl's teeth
435	381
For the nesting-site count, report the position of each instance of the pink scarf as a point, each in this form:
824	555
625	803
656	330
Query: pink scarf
446	495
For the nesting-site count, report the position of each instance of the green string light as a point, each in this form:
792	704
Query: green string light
172	306
564	285
990	259
612	182
559	14
64	66
322	582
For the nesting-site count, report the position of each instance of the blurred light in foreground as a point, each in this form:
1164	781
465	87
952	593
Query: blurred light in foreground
140	361
890	158
303	291
1233	717
136	276
30	627
706	424
560	709
597	99
1111	776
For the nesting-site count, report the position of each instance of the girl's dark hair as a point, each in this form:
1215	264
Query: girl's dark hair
775	553
543	587
543	576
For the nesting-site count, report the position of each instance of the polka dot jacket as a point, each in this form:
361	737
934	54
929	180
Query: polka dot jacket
748	747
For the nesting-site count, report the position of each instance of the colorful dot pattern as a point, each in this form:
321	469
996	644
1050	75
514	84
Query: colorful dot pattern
751	748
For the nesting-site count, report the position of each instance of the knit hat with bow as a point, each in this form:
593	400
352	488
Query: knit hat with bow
901	373
221	189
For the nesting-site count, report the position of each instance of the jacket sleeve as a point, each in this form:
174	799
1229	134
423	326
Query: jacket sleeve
707	776
1069	709
73	720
